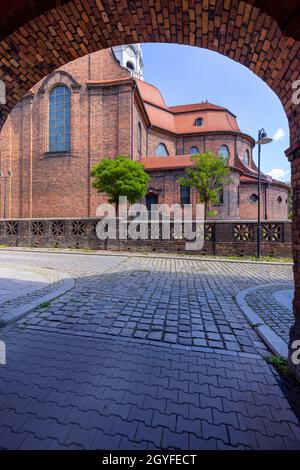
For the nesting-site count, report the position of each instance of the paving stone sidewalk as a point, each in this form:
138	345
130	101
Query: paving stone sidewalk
273	313
59	391
69	385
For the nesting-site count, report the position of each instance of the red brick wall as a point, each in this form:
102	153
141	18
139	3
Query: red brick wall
156	137
275	210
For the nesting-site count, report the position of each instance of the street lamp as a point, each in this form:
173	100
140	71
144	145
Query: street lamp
4	177
263	139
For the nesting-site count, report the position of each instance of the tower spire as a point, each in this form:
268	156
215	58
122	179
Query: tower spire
131	57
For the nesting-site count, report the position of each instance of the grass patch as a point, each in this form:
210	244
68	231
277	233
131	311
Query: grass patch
270	259
45	305
282	366
185	254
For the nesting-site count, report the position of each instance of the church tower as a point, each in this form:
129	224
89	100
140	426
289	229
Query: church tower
131	57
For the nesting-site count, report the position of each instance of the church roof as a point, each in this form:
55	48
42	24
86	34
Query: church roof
151	94
181	119
166	163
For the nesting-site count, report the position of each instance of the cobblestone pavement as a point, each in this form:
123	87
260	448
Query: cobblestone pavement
264	303
68	384
164	300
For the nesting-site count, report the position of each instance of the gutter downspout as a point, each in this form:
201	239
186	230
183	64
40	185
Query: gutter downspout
89	142
131	124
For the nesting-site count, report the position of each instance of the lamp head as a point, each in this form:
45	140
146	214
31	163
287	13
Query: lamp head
263	139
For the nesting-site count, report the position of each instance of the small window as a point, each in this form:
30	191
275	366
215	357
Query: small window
224	151
161	151
139	138
279	199
238	195
130	65
253	198
220	197
194	150
247	158
199	122
185	195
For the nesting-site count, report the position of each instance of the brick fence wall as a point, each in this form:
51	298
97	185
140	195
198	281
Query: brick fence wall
221	238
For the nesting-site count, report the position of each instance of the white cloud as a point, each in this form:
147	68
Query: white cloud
279	174
279	134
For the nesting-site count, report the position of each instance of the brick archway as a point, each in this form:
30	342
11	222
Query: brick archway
62	30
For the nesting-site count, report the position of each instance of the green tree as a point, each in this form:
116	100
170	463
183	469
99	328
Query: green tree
120	177
208	174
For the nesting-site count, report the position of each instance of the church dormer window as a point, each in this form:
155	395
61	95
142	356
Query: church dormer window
199	122
130	65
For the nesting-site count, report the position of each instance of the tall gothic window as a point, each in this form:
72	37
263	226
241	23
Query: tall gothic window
161	151
60	119
247	158
139	138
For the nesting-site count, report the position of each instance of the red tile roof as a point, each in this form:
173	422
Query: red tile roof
183	108
151	94
166	163
264	178
181	119
213	120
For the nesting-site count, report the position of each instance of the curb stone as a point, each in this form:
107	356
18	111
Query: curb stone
16	313
132	254
272	340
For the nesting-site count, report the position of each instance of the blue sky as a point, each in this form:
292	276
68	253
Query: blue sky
187	74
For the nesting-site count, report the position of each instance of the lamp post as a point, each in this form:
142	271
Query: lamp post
5	177
263	139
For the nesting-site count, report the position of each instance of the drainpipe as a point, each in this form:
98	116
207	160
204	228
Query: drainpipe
131	124
266	200
89	142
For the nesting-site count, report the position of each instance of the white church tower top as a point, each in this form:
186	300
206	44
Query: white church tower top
131	57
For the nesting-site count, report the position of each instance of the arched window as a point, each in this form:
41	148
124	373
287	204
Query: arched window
130	65
224	151
185	195
247	158
139	138
199	122
60	119
194	150
161	151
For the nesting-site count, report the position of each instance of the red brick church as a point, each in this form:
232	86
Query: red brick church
100	105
